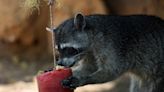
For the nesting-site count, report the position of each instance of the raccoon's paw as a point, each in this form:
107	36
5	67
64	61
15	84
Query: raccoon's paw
71	82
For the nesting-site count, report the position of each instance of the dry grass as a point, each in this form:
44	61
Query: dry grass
29	4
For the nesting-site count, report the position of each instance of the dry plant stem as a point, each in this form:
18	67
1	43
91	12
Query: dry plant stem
34	4
51	3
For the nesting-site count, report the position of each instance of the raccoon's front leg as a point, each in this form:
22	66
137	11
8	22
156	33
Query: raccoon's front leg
99	76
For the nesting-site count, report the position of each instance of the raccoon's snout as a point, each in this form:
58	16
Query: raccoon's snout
66	62
69	56
59	62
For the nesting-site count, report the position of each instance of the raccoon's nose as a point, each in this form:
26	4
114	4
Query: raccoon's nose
59	62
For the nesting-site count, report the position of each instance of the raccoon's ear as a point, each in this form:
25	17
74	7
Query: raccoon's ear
79	21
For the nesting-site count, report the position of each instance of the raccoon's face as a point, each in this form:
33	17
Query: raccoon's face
72	41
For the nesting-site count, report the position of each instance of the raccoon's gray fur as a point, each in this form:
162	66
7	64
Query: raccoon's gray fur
100	48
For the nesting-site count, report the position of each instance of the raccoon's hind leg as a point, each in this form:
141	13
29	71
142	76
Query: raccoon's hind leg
135	84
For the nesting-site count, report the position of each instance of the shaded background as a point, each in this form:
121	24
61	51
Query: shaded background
25	45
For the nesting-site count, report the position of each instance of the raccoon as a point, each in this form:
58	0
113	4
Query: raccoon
101	48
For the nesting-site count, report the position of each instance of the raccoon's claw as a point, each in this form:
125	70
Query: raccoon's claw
49	69
71	83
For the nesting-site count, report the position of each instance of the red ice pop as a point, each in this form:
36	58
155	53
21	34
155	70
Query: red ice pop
51	81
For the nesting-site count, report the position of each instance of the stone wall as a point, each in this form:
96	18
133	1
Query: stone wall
128	7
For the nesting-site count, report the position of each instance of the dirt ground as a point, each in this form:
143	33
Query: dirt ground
21	86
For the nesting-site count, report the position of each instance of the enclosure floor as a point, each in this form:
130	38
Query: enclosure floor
32	87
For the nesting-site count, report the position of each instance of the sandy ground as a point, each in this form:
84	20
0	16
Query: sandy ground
115	86
32	87
19	87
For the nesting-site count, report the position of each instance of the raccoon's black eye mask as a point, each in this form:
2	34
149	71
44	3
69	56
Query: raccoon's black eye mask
70	51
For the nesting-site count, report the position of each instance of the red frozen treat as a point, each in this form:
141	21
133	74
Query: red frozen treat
51	81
